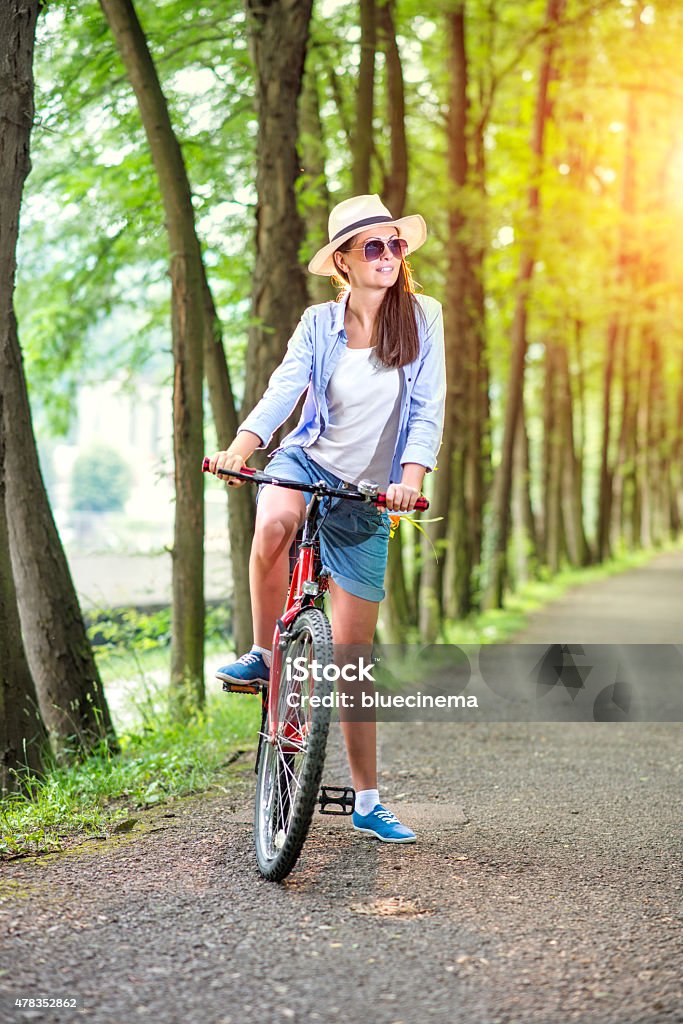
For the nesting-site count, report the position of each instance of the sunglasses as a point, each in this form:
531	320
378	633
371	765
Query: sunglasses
374	248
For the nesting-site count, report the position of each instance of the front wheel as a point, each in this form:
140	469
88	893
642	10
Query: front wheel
291	764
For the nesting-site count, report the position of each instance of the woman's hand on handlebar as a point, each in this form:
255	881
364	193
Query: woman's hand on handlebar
235	456
401	498
227	460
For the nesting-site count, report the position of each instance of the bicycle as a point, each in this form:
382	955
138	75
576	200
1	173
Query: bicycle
294	729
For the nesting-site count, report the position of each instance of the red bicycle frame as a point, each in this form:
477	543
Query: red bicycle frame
297	599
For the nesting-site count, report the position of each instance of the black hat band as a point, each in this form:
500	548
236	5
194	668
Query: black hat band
362	224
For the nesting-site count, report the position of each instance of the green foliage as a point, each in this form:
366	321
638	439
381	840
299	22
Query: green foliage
159	762
93	244
132	632
101	480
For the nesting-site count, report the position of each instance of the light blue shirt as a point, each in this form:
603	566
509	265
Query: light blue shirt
312	354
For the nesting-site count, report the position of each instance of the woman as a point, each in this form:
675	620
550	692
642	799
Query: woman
372	366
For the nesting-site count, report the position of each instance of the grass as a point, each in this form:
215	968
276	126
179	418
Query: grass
160	761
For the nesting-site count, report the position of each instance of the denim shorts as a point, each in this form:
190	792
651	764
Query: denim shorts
354	536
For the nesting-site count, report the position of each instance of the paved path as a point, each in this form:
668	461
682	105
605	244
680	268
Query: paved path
641	606
546	886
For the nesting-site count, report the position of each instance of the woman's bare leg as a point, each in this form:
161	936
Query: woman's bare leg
353	625
279	514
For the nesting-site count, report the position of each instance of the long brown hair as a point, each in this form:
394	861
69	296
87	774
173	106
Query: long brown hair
394	332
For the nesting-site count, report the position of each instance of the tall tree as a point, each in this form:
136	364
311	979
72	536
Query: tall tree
448	503
624	480
501	506
395	185
365	104
572	471
278	30
523	519
314	196
23	738
554	455
240	499
676	463
188	332
623	271
61	661
398	610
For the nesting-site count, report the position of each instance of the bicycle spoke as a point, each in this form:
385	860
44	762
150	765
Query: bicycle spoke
291	774
295	748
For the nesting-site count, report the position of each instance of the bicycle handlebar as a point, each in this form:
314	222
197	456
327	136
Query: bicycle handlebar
257	477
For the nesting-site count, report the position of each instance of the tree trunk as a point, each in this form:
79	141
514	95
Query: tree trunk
676	465
363	135
546	452
624	259
579	427
627	476
339	98
314	197
572	477
658	431
449	534
395	184
187	325
23	738
478	471
62	666
278	30
651	442
501	506
623	483
604	546
552	514
524	523
241	505
398	608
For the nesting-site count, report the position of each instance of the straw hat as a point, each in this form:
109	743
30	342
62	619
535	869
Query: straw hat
358	214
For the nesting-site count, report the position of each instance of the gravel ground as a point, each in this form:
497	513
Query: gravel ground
545	887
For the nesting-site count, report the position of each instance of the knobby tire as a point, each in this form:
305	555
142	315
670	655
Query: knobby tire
283	810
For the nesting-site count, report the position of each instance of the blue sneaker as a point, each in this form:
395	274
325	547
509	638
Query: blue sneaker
246	675
383	825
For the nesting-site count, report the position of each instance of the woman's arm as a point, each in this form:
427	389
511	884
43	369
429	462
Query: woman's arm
428	397
425	417
285	387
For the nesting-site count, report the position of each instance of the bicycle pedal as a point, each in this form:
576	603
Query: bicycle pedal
243	687
341	797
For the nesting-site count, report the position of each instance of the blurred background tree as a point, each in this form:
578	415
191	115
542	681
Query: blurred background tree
100	481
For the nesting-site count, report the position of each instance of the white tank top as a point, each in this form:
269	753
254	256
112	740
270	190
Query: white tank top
363	400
